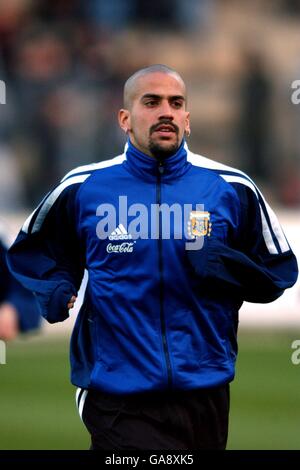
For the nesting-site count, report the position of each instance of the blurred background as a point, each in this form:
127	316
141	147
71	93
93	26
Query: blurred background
64	63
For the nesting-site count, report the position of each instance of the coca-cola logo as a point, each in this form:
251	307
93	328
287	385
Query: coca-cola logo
126	247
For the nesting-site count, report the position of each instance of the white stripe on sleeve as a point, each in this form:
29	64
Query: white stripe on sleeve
276	227
78	390
50	200
81	403
27	221
265	228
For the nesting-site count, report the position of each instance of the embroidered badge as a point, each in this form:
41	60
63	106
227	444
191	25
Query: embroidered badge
199	224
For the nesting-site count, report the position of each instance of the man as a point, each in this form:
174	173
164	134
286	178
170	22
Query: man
173	243
19	311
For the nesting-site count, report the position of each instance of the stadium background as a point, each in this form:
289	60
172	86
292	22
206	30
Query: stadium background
64	63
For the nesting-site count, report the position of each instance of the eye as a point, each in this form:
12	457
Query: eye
177	104
150	103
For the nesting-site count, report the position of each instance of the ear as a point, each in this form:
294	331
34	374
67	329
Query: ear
187	128
124	120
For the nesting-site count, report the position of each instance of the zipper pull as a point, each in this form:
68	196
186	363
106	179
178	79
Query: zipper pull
161	168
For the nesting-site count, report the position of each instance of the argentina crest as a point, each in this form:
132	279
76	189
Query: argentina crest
199	224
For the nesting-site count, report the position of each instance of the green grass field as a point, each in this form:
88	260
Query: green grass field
37	402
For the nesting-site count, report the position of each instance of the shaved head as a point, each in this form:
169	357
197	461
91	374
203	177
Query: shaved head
130	86
154	116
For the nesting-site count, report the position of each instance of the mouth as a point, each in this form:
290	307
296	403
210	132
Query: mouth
165	129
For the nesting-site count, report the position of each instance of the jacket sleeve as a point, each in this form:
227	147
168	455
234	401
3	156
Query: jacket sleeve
256	264
4	274
13	292
47	257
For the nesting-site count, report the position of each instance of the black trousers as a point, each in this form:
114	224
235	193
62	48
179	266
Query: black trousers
177	420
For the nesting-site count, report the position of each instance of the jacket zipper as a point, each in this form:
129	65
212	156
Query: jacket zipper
161	278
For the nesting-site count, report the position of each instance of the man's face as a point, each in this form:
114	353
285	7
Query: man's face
157	118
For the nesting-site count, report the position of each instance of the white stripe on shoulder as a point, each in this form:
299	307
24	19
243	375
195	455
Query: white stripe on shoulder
242	178
204	162
238	179
49	201
96	166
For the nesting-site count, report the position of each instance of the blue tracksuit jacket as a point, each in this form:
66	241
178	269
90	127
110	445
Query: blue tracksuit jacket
156	314
13	292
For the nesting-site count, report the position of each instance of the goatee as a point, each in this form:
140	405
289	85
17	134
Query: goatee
160	152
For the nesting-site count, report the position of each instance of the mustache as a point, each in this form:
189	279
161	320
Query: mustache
162	122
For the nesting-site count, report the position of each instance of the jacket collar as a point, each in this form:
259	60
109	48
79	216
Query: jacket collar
147	167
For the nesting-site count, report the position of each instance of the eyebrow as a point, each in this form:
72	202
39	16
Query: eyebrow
154	96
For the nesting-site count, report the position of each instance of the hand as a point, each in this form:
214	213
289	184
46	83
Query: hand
9	327
72	301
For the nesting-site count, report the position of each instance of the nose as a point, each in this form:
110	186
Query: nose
166	111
